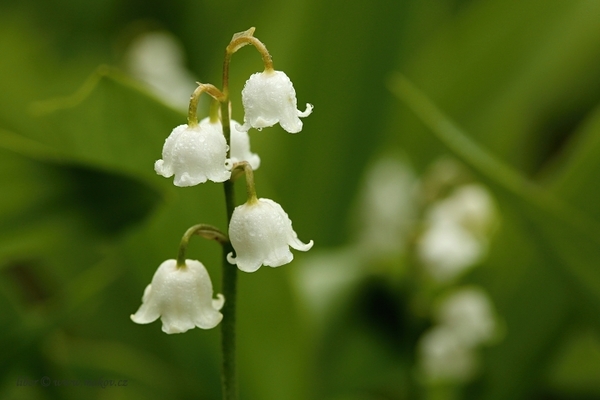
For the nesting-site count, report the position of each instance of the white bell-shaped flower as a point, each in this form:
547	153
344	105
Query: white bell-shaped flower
269	97
470	314
443	357
455	238
447	250
195	154
261	233
181	297
240	147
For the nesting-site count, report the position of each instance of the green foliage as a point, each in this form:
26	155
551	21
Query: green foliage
508	88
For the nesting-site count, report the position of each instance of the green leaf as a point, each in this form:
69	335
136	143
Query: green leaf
576	368
576	172
110	123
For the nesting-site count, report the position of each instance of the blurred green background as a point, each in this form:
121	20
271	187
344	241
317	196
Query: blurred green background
85	221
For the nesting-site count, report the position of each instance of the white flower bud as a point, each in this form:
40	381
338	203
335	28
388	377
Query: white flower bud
269	97
240	147
181	297
261	233
195	154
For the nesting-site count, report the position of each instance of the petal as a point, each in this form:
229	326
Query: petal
148	311
208	318
240	147
298	245
172	324
278	257
248	264
186	180
291	124
244	128
231	259
218	302
307	112
162	169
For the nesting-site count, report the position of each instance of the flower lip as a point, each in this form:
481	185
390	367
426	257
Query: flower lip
269	98
261	233
195	154
181	297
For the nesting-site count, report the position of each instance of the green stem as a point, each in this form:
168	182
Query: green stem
238	41
229	274
249	172
204	230
229	289
195	98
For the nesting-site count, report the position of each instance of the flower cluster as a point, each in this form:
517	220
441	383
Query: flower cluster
260	231
465	321
456	231
420	234
458	221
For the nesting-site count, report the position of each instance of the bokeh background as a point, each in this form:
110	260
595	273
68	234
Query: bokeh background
85	221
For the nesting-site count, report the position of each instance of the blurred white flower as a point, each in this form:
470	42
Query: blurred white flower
469	313
387	206
456	229
157	59
181	297
446	250
261	233
443	173
240	147
195	154
470	206
443	357
268	98
326	279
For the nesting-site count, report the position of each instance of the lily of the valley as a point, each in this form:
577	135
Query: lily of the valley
455	237
182	297
195	154
240	147
261	233
470	314
268	98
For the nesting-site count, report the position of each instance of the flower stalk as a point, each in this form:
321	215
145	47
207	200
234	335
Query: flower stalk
229	289
228	331
245	167
238	41
195	97
206	231
206	150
